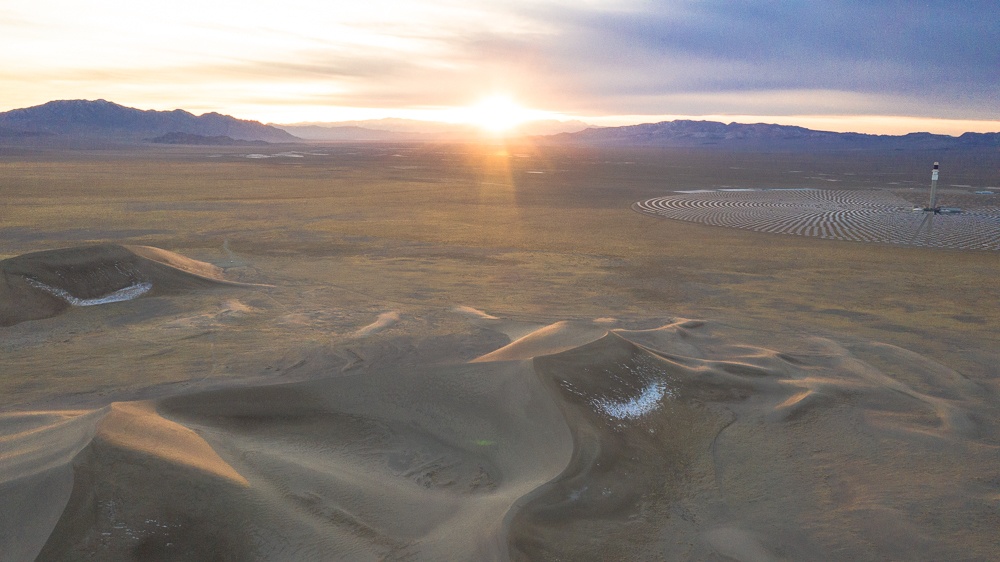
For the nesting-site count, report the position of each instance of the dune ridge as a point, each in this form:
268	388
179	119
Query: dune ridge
574	441
546	340
43	284
383	322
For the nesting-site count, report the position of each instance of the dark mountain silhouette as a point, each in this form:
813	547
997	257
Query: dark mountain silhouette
685	133
105	119
220	140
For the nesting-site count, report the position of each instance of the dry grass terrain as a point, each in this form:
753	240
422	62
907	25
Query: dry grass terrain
827	400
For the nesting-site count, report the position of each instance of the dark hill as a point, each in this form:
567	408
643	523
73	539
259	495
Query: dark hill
220	140
44	284
102	118
685	133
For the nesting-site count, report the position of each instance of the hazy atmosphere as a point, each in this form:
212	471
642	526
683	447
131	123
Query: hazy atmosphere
880	67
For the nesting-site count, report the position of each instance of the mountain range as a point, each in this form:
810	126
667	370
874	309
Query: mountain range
105	119
690	134
102	119
393	129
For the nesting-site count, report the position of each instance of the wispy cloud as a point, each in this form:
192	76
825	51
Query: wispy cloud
942	52
923	58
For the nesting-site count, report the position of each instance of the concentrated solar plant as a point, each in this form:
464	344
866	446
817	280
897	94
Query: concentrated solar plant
860	216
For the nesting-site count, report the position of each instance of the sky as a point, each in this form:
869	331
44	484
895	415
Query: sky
890	66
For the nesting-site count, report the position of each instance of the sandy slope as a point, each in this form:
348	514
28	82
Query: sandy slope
671	443
43	284
453	434
754	454
426	462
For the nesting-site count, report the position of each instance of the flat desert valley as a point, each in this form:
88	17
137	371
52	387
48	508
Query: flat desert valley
484	352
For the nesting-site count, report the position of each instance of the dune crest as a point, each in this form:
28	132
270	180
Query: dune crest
36	479
138	427
546	341
44	455
383	322
34	442
513	329
44	284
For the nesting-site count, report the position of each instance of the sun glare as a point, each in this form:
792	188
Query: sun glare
498	114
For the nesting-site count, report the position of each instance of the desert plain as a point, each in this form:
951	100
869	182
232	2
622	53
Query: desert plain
481	352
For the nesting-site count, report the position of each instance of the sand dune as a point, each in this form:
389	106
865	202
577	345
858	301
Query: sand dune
554	338
384	321
513	329
312	471
572	442
36	449
703	440
43	284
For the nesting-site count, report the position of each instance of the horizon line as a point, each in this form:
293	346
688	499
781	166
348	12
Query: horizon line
883	125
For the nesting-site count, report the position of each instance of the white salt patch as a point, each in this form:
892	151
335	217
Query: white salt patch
124	294
291	154
637	407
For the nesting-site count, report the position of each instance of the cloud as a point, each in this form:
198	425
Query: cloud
944	53
925	58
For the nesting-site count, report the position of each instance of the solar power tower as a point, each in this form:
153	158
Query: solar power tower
932	205
932	208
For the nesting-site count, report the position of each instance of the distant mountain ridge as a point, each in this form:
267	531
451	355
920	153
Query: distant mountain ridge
687	133
345	133
406	130
101	118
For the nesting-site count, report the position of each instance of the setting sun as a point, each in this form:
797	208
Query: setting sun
498	114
